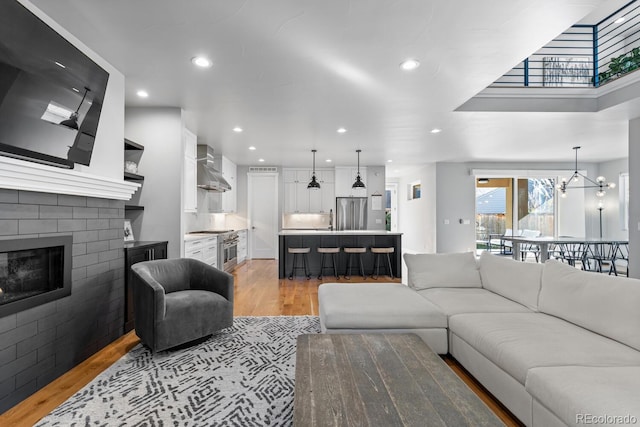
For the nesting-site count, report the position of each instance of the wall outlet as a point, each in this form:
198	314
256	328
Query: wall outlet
467	222
378	221
446	222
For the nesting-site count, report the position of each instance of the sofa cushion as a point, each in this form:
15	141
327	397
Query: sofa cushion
376	306
574	392
457	270
517	342
518	281
470	300
607	305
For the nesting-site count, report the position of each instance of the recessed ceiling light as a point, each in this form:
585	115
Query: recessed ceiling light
341	130
142	94
619	20
389	161
328	160
252	148
436	130
261	160
201	61
59	64
237	129
410	64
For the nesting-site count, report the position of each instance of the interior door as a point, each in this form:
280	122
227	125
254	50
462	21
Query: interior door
263	215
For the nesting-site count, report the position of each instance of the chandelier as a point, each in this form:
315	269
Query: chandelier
600	183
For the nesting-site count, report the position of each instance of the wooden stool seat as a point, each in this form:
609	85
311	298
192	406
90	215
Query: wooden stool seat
299	250
355	250
382	250
328	250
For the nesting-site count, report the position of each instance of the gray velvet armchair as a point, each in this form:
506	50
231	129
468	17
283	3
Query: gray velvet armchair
180	300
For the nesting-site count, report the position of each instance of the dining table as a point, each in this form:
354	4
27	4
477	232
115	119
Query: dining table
545	242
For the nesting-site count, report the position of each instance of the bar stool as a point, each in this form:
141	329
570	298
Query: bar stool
378	252
305	261
334	264
357	252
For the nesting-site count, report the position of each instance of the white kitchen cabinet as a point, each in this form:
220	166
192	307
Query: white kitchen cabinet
323	199
344	179
204	249
210	252
242	246
299	199
194	249
296	193
190	190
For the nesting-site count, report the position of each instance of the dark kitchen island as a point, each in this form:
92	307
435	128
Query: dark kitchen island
314	239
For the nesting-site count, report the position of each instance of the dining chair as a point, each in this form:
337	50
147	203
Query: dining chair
527	248
621	257
601	253
572	253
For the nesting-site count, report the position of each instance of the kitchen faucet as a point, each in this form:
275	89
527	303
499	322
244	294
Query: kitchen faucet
331	219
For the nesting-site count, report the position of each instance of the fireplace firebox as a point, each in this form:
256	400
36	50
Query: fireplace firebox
33	271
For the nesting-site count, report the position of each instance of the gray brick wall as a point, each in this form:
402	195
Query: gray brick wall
42	343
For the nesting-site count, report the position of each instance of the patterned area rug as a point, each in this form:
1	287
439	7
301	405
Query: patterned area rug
242	376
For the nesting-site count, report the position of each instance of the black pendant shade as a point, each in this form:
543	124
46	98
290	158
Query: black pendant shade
313	184
72	121
358	183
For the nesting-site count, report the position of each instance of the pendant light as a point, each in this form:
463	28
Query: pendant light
313	184
600	183
358	183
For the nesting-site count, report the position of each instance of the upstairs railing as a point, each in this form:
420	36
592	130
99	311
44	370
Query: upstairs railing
611	47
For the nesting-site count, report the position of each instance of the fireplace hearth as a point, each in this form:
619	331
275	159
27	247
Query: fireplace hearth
33	271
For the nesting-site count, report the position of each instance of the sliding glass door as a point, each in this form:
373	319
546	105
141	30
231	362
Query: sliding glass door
514	205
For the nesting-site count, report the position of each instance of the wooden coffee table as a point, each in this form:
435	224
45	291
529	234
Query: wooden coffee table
380	380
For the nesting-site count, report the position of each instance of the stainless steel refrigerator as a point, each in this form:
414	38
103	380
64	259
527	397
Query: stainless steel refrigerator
351	213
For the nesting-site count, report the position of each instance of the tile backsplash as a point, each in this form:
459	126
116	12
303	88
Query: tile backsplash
305	221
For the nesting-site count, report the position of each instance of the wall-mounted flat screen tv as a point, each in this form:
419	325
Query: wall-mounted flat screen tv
51	94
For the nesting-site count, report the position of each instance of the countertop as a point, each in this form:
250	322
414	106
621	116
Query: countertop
338	233
197	236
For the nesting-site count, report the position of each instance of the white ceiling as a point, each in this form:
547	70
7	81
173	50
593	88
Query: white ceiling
290	72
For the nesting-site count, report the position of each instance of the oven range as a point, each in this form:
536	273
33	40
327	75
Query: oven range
227	247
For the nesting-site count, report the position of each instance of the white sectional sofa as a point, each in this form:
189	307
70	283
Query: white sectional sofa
556	345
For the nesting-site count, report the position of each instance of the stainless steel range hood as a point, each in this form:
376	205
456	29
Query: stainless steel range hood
209	178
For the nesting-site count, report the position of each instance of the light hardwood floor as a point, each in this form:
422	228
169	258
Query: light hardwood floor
258	292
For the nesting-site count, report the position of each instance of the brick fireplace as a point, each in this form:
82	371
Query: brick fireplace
40	343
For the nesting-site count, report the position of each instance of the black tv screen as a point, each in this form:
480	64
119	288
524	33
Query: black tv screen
51	94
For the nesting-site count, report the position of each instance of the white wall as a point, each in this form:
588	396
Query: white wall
108	151
161	163
417	217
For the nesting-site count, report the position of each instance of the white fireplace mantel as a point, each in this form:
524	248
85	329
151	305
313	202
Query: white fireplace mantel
22	175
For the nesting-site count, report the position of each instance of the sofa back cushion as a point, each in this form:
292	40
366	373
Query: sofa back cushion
456	270
607	305
515	280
